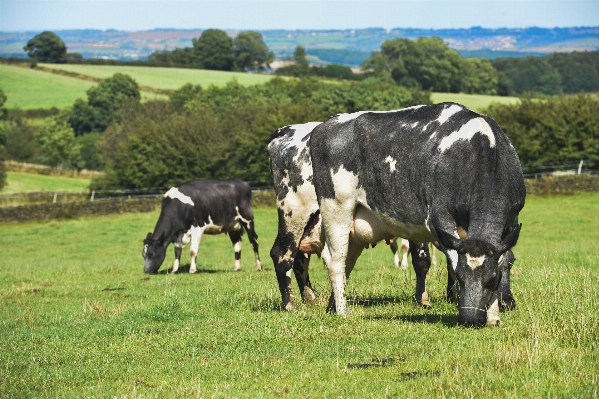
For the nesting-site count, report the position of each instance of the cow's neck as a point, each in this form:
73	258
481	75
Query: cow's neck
167	229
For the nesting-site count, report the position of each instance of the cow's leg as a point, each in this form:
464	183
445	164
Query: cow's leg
235	237
504	292
421	261
196	236
253	238
178	251
394	248
301	266
354	251
283	253
452	292
405	247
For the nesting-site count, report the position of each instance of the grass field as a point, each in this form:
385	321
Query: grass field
27	88
20	182
477	102
165	78
78	318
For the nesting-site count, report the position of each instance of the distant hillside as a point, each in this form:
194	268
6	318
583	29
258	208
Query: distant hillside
350	47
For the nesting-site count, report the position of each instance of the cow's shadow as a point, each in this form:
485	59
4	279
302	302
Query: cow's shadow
433	318
430	317
185	269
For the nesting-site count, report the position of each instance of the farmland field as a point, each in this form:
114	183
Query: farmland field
165	78
29	88
78	318
477	102
20	182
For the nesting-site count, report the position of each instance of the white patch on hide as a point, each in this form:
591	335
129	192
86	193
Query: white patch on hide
391	163
452	254
174	193
448	113
237	246
475	261
493	314
467	131
341	118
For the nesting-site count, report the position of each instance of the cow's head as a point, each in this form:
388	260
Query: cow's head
477	270
154	252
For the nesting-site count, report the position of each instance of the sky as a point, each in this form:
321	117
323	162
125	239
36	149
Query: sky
135	15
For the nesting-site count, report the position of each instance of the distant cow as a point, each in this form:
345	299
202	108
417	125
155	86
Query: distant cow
426	173
299	232
195	208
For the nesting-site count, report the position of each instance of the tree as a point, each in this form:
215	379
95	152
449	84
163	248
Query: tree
251	52
46	47
478	76
58	144
426	62
102	102
214	49
3	110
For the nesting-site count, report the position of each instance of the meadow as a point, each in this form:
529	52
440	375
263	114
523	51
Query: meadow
165	78
78	318
29	88
20	182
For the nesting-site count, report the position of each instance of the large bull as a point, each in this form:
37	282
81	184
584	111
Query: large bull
426	173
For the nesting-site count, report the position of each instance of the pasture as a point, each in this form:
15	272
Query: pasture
30	88
165	78
477	102
20	182
27	88
80	319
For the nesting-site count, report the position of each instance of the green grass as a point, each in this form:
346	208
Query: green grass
78	318
477	102
27	88
165	78
20	182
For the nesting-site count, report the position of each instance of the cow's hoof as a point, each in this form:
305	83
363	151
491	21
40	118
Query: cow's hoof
424	302
308	295
493	323
237	269
192	271
289	306
507	304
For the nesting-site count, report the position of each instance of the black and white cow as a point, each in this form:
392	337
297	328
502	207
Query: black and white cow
299	231
426	173
195	208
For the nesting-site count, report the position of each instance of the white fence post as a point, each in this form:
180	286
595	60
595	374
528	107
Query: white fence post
54	200
93	194
580	166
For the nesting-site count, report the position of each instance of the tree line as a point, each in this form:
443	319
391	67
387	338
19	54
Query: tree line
426	63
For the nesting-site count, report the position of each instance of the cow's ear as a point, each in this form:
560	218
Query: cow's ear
149	236
510	239
447	240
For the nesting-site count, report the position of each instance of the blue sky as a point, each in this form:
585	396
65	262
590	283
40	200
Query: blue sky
132	15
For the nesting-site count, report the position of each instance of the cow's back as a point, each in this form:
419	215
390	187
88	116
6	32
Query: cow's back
439	161
218	201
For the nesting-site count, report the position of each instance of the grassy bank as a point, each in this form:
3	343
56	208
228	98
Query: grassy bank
80	319
19	182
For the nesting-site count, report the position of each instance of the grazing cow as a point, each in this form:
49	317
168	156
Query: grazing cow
405	248
197	207
299	232
426	173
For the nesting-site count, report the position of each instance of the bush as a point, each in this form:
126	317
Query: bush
559	129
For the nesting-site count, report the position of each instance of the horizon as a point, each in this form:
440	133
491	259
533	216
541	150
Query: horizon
299	29
293	15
